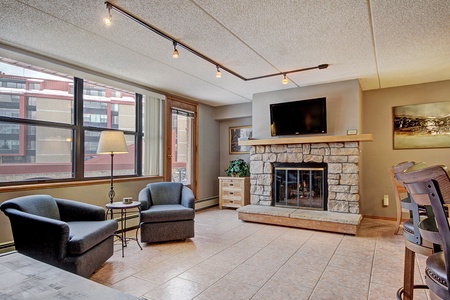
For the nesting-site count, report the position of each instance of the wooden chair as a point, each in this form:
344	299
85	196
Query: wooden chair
431	187
399	189
413	240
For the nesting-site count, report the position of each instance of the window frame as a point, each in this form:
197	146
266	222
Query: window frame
78	130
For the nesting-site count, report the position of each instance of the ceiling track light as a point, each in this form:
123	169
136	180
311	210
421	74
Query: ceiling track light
159	32
218	74
107	20
285	80
175	51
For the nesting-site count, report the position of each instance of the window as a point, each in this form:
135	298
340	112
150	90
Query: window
34	86
12	83
28	152
182	146
39	127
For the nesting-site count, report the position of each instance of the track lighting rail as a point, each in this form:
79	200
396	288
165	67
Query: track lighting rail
131	16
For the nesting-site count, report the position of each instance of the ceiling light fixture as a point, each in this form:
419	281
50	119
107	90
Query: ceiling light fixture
107	20
159	32
218	74
285	80
175	51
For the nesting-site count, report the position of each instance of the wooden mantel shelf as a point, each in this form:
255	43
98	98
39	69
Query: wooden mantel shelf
368	137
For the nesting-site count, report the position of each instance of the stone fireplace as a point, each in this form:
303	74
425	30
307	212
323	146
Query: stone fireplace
342	165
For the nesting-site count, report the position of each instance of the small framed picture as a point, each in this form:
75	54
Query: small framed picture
352	132
236	133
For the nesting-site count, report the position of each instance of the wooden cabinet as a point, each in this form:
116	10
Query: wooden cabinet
234	191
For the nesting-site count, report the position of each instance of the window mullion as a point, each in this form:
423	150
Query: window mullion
78	150
138	136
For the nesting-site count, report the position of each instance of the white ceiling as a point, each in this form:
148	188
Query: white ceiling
383	43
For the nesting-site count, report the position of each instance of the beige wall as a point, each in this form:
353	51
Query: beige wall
208	154
225	156
379	154
343	106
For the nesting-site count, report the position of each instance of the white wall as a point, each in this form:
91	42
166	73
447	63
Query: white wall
343	106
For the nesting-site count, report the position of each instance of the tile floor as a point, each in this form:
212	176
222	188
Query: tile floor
231	259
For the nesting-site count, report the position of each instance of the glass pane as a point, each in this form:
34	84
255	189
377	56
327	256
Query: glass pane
182	140
30	94
29	152
99	165
153	136
299	187
107	107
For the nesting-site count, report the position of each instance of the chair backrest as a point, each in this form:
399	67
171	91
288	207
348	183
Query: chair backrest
411	234
438	173
40	205
165	192
399	168
397	183
431	186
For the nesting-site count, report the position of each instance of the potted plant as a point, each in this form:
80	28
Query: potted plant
238	168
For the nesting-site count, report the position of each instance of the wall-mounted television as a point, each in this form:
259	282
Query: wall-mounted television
299	117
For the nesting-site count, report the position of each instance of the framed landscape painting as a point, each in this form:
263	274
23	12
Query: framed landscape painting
422	126
235	134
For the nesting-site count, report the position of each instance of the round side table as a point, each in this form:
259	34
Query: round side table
124	207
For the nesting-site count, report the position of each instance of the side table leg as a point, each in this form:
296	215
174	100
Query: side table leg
122	224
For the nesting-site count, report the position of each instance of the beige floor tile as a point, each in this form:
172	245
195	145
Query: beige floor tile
176	289
329	291
308	262
205	273
226	289
134	286
339	277
280	289
351	263
256	275
161	272
296	276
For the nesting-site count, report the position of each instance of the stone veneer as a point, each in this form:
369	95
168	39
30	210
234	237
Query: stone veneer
343	171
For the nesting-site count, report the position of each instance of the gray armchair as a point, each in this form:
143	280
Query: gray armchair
167	212
67	234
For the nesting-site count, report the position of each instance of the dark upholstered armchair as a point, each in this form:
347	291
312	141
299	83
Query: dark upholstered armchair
167	212
67	234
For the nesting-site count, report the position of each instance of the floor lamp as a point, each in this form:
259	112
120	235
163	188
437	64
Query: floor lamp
112	142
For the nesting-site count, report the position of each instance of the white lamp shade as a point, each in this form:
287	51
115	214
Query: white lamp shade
112	142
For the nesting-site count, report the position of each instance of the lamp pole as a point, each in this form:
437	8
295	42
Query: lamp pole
111	193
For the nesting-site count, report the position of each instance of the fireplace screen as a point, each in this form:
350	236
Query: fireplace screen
300	185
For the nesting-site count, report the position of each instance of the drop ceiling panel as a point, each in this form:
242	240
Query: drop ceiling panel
389	42
412	41
298	34
190	24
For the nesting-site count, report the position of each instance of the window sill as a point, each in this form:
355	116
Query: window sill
37	186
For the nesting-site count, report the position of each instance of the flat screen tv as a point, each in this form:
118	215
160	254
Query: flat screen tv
299	117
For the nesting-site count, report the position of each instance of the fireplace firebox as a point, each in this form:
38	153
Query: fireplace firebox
300	185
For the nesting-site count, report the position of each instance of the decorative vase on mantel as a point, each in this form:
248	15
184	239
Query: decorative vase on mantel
238	168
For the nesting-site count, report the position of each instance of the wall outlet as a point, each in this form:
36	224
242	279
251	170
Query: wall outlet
386	200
